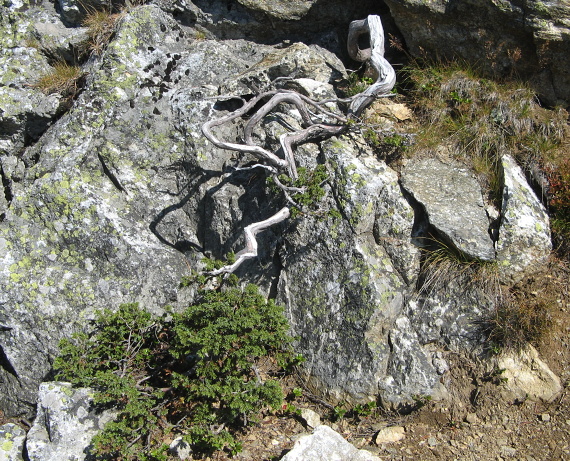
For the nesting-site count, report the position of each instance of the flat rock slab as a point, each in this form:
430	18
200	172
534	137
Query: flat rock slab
324	444
524	243
453	202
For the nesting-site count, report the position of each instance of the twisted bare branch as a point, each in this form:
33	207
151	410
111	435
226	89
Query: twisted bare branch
250	250
386	76
329	124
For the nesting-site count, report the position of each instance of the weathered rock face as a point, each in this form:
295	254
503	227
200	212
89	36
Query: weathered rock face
453	203
338	282
65	423
122	195
524	243
504	38
312	21
25	112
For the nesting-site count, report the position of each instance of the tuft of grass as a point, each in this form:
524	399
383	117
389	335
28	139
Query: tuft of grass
478	120
517	321
101	26
62	78
442	264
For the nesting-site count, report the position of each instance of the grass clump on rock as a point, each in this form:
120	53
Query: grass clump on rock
101	26
203	374
63	78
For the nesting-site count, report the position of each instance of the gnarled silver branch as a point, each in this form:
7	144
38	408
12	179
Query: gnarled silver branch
311	131
386	76
250	250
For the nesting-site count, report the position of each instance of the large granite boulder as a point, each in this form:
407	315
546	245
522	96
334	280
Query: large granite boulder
78	234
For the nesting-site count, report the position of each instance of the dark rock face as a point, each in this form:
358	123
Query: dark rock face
119	197
504	38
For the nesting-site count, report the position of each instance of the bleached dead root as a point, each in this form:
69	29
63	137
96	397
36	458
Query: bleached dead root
329	124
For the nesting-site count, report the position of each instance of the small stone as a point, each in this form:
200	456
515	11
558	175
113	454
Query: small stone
311	418
508	452
12	439
180	449
471	418
432	441
545	417
327	444
390	434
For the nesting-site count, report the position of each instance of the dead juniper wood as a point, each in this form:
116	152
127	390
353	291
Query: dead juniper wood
318	123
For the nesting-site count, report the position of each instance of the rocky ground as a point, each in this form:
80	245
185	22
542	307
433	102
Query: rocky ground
481	422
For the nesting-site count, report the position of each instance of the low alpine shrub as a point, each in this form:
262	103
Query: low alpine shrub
203	374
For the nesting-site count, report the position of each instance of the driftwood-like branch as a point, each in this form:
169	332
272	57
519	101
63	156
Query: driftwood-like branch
329	124
386	76
250	250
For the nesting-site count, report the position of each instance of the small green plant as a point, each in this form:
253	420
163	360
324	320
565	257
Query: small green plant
459	98
356	84
297	392
364	410
421	400
62	78
199	374
311	181
496	376
338	412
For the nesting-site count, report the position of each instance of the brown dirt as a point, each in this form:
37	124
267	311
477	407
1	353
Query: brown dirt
499	427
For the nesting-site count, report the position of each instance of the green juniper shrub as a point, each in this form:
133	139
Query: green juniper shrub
220	339
203	374
115	361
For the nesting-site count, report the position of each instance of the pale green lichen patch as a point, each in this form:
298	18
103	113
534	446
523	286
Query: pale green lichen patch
15	28
7	445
